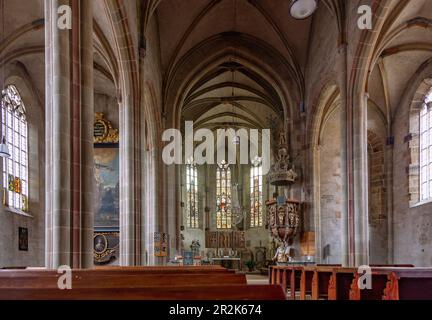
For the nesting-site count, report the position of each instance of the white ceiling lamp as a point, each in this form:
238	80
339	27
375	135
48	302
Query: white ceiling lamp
302	9
4	150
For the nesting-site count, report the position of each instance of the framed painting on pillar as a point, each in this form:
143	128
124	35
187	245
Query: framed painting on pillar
106	193
161	244
22	239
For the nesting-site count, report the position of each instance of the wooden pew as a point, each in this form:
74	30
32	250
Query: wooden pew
392	266
333	282
126	276
315	281
84	279
407	283
219	292
306	282
380	278
343	283
288	277
207	268
278	276
126	271
147	283
294	283
340	283
389	282
160	269
323	277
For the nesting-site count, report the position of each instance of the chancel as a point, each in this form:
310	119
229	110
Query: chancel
208	150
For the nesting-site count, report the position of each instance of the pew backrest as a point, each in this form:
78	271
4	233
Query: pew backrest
221	292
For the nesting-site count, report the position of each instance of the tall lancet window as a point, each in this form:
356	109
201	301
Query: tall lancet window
14	131
192	213
426	149
256	196
223	196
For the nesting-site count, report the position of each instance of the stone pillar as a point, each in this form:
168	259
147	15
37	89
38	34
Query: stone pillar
150	211
359	198
160	194
69	136
172	205
131	225
343	85
389	198
129	172
317	202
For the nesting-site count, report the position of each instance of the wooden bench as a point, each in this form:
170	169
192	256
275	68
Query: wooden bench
135	283
82	279
341	282
306	282
220	292
407	283
380	277
122	276
333	282
288	277
379	282
315	282
392	266
124	271
207	268
293	275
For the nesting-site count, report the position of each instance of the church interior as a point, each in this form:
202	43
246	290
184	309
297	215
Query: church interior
276	144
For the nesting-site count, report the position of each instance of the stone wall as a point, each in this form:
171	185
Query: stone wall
412	222
319	75
10	222
330	212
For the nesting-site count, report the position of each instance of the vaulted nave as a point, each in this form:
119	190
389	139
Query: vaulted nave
196	146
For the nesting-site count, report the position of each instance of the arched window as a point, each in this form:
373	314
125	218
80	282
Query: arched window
426	148
14	131
256	218
192	196
223	196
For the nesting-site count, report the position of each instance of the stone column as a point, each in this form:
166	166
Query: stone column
389	198
343	84
359	198
161	194
69	136
317	202
129	207
150	211
172	205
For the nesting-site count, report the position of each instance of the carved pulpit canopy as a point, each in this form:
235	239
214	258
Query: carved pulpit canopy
282	173
104	131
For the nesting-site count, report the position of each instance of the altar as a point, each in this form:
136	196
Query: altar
229	260
297	263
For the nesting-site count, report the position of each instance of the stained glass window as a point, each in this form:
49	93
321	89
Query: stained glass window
426	149
15	168
256	197
223	196
192	196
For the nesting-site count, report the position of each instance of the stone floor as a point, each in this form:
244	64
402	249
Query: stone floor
261	280
257	279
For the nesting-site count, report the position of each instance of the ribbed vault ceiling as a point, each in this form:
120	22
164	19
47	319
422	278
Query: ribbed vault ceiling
231	96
